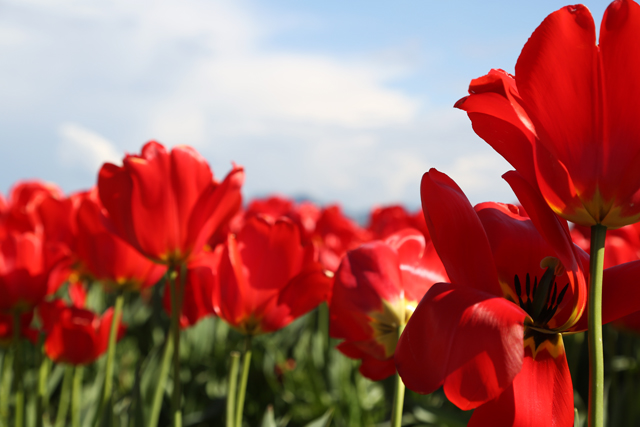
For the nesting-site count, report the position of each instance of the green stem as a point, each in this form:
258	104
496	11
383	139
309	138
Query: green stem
63	406
242	390
76	395
176	311
398	395
5	387
111	352
17	371
162	382
596	358
42	402
232	390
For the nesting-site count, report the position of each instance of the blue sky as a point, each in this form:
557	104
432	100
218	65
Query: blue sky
347	102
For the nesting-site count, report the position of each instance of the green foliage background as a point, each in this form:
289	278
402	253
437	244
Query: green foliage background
323	387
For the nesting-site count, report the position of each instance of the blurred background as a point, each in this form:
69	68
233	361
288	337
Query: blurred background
347	102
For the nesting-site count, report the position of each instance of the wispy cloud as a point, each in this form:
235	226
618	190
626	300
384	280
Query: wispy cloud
84	149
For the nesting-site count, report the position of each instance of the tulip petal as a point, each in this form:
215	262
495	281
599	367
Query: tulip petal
457	234
541	395
620	294
497	116
557	78
469	341
620	53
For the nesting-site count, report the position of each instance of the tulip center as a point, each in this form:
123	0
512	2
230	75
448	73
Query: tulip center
541	298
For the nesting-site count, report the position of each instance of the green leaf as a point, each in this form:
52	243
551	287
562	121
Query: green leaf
323	421
268	419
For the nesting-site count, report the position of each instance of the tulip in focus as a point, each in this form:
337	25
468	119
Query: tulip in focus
568	120
493	336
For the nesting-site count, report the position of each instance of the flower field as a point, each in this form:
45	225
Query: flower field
163	297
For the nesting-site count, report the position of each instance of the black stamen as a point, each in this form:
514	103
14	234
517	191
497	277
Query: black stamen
562	292
528	286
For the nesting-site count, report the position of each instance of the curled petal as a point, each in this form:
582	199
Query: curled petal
467	340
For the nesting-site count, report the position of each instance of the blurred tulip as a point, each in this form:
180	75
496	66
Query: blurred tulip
26	263
376	289
75	335
335	234
384	221
267	278
167	204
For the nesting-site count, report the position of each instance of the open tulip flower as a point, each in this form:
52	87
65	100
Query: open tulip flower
167	204
567	121
75	335
376	289
267	278
492	337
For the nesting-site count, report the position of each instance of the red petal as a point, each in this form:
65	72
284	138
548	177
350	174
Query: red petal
620	53
153	205
190	177
366	276
471	342
496	113
541	395
557	78
457	234
620	294
215	208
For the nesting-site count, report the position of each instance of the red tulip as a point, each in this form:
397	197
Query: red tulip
492	337
335	234
21	212
167	204
26	263
376	289
385	221
305	215
267	278
567	121
75	335
106	257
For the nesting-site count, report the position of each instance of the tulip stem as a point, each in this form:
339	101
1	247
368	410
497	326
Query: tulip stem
5	386
177	290
232	389
111	352
42	399
76	395
398	395
17	371
242	390
162	382
596	358
65	394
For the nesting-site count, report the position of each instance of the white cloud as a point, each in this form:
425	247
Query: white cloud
85	149
206	73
